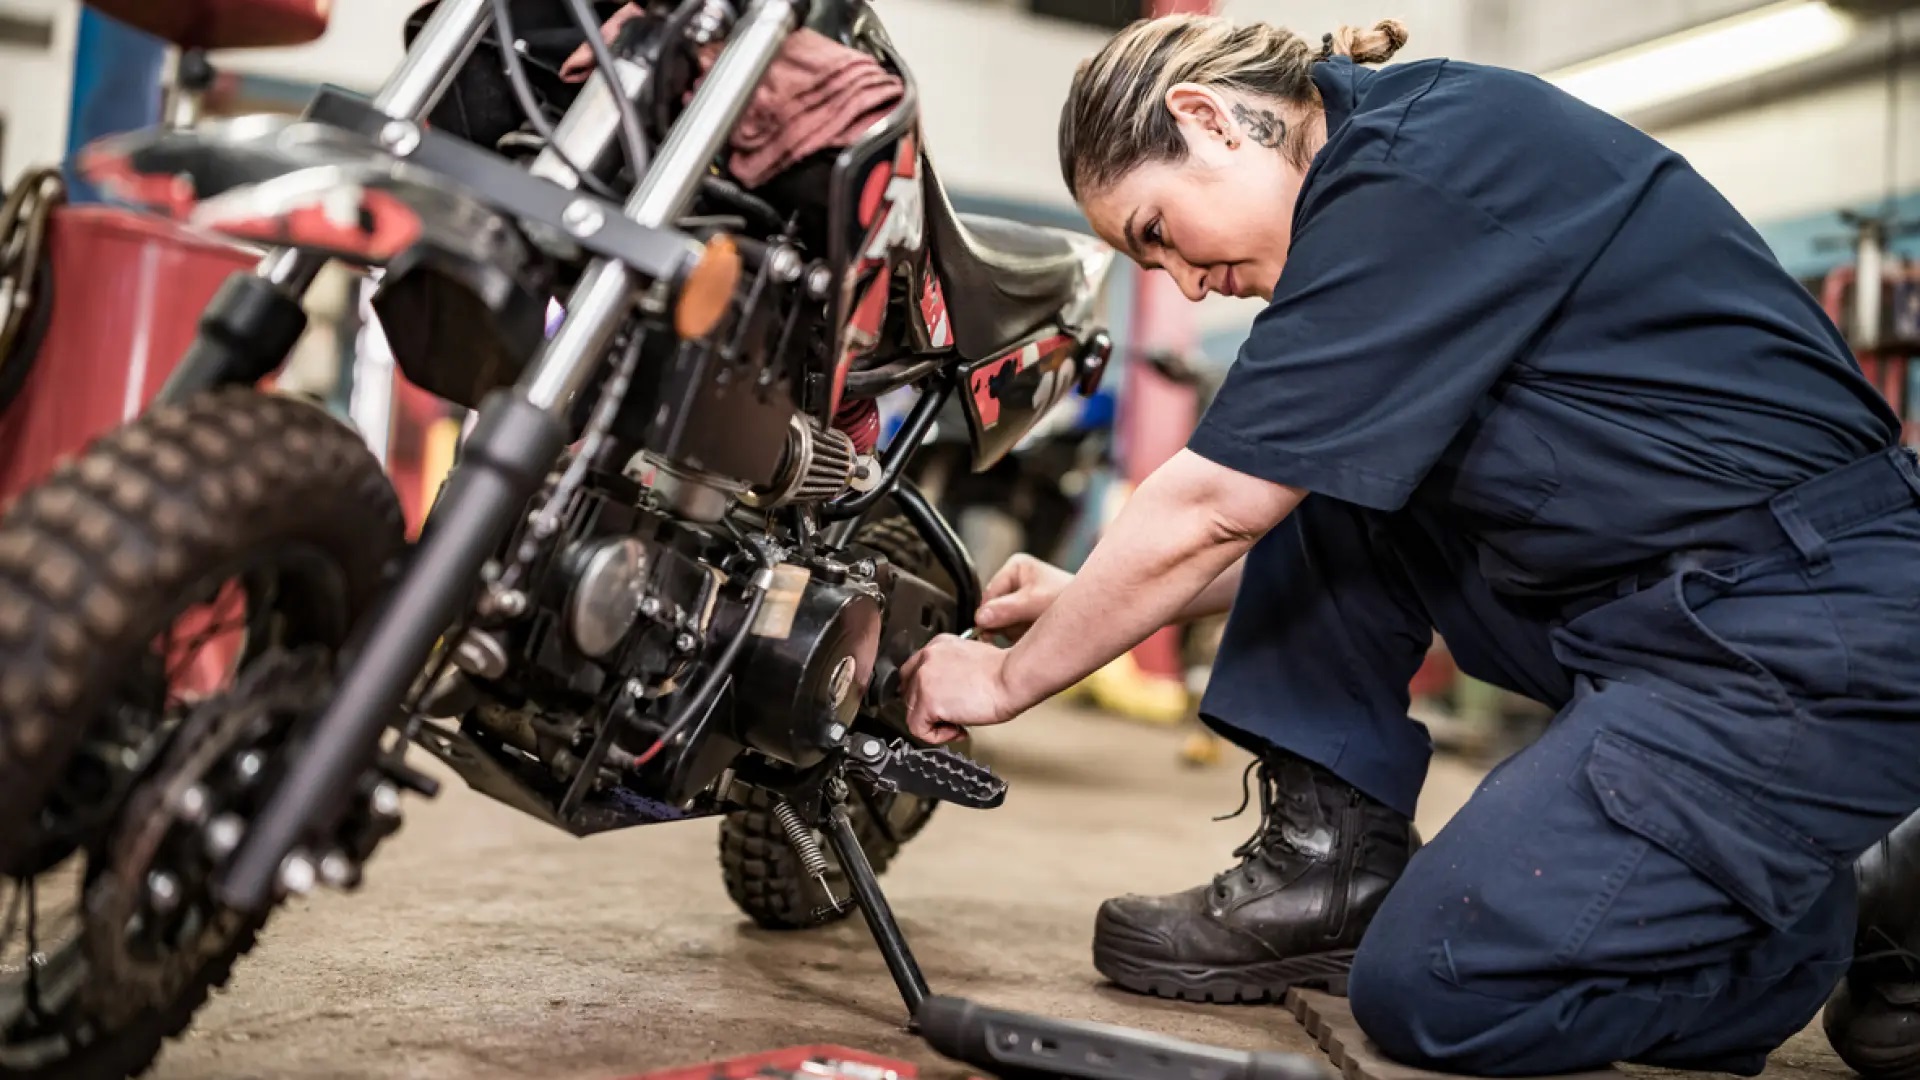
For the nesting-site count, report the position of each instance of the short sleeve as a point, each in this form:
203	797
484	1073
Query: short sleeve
1400	306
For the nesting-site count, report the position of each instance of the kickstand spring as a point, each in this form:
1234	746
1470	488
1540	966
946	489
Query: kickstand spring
873	905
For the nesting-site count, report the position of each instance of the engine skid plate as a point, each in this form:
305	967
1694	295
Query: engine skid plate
499	774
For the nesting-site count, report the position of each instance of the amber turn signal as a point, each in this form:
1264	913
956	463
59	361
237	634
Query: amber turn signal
708	288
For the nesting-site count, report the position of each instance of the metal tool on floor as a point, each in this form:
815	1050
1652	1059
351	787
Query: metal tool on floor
1020	1046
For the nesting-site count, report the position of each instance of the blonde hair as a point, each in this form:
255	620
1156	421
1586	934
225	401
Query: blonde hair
1116	118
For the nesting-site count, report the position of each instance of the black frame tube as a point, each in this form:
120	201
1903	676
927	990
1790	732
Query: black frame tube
933	527
899	451
891	377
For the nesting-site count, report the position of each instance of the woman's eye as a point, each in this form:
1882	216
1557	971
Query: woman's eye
1152	234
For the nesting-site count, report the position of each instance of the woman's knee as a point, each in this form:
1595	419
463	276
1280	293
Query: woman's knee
1400	1004
1404	1000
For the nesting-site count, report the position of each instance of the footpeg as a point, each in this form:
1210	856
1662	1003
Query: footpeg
929	774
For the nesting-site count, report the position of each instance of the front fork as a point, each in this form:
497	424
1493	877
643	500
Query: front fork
516	438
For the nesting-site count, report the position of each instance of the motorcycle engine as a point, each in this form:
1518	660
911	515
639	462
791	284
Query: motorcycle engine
639	594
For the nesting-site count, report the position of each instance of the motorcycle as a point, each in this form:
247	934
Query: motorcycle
672	574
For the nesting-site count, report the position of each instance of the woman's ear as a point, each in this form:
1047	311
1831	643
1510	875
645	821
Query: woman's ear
1201	110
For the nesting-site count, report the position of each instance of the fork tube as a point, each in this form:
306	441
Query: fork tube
410	93
601	297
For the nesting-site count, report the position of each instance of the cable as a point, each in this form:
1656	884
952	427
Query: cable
672	33
697	703
530	102
632	136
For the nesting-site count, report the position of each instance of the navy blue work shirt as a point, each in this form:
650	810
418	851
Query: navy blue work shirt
1511	306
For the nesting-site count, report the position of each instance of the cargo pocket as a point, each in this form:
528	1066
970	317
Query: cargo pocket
1759	861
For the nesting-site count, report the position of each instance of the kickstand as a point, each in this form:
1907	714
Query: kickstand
873	905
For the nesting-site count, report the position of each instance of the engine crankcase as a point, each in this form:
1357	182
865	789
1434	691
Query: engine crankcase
807	667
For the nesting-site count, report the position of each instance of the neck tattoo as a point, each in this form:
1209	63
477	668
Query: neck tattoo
1262	126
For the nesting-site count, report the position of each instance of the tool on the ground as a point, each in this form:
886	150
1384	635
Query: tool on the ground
1020	1046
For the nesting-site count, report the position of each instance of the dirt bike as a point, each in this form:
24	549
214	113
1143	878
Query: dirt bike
672	574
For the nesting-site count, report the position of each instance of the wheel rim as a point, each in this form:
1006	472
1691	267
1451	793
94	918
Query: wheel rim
247	610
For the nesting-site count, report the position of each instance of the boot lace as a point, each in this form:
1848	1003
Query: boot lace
1890	950
1256	846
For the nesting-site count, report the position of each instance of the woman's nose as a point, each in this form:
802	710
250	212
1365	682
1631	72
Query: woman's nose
1192	281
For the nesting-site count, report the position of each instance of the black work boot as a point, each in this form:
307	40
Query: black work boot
1873	1018
1290	914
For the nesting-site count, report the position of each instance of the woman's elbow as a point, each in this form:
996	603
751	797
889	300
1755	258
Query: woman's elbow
1232	508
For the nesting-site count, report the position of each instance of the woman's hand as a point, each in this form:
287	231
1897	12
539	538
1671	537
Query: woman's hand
954	684
1020	593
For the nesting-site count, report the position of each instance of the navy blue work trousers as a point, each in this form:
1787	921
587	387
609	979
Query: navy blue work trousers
1665	876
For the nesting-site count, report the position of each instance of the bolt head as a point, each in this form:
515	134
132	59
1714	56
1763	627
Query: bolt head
400	137
385	801
223	835
192	803
249	765
685	643
836	731
583	218
336	870
650	607
871	748
297	874
163	891
785	264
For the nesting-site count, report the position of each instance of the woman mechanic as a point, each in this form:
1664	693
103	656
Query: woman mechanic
1527	379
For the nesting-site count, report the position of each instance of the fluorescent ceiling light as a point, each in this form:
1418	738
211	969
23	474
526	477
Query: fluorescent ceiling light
1708	56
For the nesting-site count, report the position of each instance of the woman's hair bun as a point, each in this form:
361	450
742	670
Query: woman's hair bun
1374	46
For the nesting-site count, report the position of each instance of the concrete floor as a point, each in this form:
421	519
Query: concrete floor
486	945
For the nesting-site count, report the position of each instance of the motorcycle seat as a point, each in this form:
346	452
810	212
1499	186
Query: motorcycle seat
1003	280
223	24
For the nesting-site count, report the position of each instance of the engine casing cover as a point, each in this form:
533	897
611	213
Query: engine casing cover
806	669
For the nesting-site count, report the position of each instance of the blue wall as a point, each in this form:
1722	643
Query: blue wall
116	87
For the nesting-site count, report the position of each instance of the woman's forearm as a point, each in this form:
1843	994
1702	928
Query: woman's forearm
1217	597
1179	533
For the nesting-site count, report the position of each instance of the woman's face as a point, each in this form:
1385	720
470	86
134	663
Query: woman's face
1221	220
